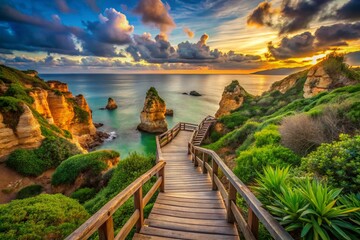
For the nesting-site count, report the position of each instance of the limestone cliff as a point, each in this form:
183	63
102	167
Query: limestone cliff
285	84
232	98
153	114
25	135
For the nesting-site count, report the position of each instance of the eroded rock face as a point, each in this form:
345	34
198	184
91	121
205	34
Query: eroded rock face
153	114
26	135
317	81
285	84
61	110
41	103
111	105
62	87
232	98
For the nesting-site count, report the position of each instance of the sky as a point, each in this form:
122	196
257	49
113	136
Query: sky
175	36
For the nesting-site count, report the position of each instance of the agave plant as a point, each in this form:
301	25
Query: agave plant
324	219
271	182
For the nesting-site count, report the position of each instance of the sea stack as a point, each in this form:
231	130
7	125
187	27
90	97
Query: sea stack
111	105
153	114
232	98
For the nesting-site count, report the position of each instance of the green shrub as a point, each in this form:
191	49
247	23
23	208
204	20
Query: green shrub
254	159
29	191
41	217
81	115
26	162
54	150
94	163
268	135
11	109
233	120
83	194
337	162
17	91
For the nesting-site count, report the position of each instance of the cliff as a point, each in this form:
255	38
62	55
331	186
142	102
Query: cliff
47	109
153	114
232	98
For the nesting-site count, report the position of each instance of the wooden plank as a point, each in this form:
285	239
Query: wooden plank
244	227
223	230
203	222
152	190
192	205
198	195
139	236
188	200
190	215
106	231
188	209
221	188
185	235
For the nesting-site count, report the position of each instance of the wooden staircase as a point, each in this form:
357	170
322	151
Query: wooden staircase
193	202
203	130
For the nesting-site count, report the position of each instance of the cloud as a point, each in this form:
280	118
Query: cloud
261	15
92	4
353	58
349	11
62	6
188	32
291	16
30	33
337	34
297	46
155	13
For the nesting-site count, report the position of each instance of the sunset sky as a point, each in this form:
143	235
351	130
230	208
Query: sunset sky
175	36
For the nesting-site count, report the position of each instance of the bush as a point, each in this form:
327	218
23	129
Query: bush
233	120
268	135
17	91
29	191
26	162
50	154
254	159
70	169
337	162
41	217
83	194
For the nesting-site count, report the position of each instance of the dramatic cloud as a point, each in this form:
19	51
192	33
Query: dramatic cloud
92	4
161	51
350	11
155	13
292	16
353	58
30	33
337	34
261	15
297	46
62	6
188	32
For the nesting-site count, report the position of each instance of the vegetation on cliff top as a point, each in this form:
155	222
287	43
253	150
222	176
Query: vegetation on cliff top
41	217
92	163
12	75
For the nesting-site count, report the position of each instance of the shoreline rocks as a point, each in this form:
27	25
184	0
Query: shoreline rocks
153	114
169	112
195	94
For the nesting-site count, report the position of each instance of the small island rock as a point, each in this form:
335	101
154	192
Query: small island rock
195	93
111	105
169	112
153	114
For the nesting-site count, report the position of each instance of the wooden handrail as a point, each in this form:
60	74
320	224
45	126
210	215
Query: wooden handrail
102	220
256	212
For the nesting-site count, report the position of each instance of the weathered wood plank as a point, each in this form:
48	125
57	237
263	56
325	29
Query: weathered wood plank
188	214
188	209
206	222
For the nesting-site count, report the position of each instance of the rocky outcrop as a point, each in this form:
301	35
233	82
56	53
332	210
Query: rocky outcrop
153	114
57	85
169	112
41	104
111	105
62	111
232	98
195	94
317	81
26	135
285	84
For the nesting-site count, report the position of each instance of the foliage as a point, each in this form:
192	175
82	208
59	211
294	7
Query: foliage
81	115
232	86
255	158
29	191
41	217
307	208
334	64
12	75
11	109
17	91
83	194
268	135
337	162
25	162
49	155
93	162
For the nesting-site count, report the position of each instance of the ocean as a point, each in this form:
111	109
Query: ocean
129	93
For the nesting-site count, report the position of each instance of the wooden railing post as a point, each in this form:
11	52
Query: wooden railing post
162	174
215	168
253	223
195	160
231	198
204	159
106	230
138	202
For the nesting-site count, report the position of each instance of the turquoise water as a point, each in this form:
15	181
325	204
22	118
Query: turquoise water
129	93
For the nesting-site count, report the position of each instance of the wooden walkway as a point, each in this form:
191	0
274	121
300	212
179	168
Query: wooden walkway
189	208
